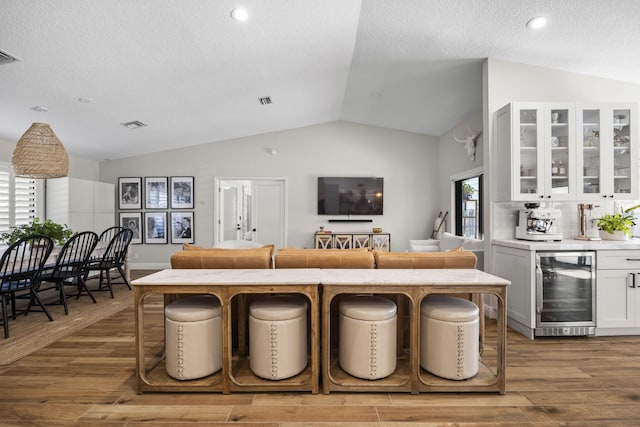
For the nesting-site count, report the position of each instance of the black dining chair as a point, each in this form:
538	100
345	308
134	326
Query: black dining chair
71	266
20	268
113	258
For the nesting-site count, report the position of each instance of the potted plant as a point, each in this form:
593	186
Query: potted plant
467	191
57	232
617	226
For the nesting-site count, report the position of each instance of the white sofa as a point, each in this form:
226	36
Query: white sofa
448	242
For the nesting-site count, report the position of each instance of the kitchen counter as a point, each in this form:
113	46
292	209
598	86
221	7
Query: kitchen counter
569	245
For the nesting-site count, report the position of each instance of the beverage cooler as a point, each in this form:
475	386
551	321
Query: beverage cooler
565	293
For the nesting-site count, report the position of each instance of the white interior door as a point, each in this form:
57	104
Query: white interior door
268	212
231	211
252	209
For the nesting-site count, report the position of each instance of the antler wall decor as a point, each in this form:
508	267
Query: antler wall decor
470	143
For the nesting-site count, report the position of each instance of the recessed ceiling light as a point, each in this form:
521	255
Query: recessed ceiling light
537	22
40	108
239	14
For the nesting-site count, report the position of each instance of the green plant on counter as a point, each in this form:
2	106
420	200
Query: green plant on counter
57	232
619	221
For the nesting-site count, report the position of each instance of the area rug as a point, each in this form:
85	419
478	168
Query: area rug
34	331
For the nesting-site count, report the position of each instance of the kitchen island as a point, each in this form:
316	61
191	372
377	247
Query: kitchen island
227	285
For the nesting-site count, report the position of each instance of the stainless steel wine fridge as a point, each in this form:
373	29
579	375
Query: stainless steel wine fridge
565	293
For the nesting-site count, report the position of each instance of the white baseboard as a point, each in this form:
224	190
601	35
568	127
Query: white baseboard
149	266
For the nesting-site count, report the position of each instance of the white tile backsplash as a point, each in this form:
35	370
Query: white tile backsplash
505	216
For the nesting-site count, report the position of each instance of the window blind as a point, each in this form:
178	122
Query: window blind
18	199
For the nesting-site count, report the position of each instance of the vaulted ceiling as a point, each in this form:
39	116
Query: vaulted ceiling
193	75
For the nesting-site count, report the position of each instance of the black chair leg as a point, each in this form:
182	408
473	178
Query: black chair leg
124	277
109	283
36	298
63	298
5	318
82	285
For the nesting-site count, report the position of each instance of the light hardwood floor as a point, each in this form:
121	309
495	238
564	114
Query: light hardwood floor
87	379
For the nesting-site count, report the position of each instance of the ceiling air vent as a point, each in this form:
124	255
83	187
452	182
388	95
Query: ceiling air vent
7	58
265	100
134	124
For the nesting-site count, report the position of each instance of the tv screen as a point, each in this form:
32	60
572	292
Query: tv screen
350	196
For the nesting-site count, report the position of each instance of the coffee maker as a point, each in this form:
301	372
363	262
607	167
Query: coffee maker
535	223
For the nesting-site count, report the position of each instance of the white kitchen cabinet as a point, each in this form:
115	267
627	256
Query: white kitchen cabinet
535	153
518	266
618	292
607	163
83	205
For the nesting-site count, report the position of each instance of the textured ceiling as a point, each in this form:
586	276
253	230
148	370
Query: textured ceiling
194	76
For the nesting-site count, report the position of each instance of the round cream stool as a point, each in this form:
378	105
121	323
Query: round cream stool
278	336
367	338
193	337
449	337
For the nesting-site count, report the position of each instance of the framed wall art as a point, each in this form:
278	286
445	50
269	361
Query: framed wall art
182	227
132	221
156	192
181	192
130	193
155	227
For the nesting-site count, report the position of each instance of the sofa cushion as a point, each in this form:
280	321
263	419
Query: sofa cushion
190	247
323	258
223	258
456	258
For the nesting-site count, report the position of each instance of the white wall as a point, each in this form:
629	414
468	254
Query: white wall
407	161
506	82
453	159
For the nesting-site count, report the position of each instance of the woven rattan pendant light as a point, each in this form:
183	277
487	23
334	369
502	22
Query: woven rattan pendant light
40	154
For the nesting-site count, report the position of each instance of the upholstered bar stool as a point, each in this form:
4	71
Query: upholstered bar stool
193	337
449	337
278	336
368	329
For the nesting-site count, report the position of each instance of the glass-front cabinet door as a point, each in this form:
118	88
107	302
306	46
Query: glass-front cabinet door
589	148
608	164
528	154
622	153
559	151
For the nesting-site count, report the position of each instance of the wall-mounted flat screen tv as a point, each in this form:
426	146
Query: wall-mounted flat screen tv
350	196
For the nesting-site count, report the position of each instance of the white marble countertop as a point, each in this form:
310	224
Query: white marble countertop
570	245
309	276
409	277
285	276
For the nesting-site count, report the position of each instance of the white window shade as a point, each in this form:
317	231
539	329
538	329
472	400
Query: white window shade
18	199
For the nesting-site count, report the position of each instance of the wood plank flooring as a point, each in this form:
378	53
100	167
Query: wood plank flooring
87	379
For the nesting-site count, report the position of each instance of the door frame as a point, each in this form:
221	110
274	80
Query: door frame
217	195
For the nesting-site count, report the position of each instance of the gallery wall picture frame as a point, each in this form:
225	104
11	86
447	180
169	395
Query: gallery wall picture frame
130	193
182	192
132	221
182	227
156	192
155	228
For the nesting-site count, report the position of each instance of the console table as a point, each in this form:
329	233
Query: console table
234	285
353	240
226	285
414	285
